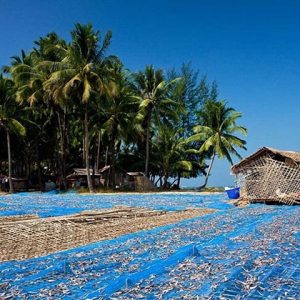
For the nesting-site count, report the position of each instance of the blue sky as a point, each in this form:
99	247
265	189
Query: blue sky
251	48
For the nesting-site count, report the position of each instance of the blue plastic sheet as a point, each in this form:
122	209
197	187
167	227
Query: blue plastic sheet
48	204
247	253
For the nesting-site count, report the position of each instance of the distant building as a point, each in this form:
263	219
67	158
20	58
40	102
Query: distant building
78	178
136	181
139	182
19	184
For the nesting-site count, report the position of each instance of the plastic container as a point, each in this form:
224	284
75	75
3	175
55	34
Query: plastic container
233	193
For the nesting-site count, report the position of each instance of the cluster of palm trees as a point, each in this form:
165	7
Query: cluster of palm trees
67	104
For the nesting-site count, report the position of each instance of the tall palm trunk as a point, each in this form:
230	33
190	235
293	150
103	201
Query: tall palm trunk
113	158
166	177
62	157
27	169
112	179
38	162
106	156
147	145
83	144
86	144
178	179
208	171
98	151
11	187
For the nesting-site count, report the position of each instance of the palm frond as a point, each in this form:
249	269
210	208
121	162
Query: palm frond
17	127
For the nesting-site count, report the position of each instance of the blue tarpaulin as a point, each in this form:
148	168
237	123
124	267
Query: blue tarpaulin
245	253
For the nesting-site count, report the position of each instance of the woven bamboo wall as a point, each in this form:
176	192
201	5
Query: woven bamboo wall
266	179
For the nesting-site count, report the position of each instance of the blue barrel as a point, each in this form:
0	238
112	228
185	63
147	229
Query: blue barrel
233	193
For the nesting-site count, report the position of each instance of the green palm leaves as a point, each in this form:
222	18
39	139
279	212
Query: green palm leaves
83	68
9	118
217	132
170	153
83	102
9	108
153	91
81	73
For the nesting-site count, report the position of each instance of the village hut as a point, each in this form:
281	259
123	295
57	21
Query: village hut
120	175
139	182
269	175
19	184
136	181
78	178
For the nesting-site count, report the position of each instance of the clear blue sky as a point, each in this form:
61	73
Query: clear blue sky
251	48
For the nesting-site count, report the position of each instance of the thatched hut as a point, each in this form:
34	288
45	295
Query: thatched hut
19	184
139	182
78	178
120	175
136	181
270	175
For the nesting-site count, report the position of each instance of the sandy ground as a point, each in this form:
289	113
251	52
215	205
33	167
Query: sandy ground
30	236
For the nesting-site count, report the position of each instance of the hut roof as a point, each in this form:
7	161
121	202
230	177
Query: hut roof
82	172
135	174
293	155
106	168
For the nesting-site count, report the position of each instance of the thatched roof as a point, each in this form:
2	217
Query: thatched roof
81	172
107	168
102	170
135	173
292	155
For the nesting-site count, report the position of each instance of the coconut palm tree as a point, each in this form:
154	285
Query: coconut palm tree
82	72
153	92
8	119
119	109
217	131
29	77
170	153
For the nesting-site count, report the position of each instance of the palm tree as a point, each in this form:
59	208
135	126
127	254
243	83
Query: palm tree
8	121
153	92
29	77
119	110
216	132
170	152
81	72
52	48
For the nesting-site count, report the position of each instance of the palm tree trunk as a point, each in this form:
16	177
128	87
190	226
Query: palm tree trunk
62	131
156	183
113	158
98	151
166	177
38	162
178	180
93	164
106	156
112	165
87	158
208	171
11	187
147	146
27	170
83	143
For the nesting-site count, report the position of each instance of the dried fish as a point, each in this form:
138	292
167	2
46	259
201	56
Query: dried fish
249	253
